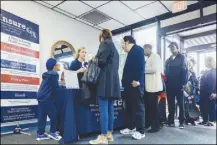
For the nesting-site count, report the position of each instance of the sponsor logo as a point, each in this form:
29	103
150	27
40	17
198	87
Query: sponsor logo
9	21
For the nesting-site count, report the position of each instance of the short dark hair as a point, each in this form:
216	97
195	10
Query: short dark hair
174	44
130	39
148	46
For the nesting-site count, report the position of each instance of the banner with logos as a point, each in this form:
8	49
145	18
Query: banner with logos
20	74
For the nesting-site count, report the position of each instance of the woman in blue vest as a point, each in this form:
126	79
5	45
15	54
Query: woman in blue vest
79	65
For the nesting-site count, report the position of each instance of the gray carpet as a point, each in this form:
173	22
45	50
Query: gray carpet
190	135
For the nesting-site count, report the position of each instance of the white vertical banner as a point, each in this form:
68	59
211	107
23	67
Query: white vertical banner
20	74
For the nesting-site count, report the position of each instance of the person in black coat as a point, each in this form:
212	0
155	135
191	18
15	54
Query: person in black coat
108	86
208	91
133	83
176	74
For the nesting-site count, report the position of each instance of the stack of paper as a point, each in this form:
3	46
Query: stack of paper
71	79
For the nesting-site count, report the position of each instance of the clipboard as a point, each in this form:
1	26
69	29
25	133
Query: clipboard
71	79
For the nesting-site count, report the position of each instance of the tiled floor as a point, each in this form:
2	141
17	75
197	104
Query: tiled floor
190	135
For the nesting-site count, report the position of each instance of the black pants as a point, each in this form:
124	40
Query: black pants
152	110
147	108
135	110
162	111
207	107
171	95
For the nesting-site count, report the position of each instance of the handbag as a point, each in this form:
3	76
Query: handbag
92	74
88	94
193	111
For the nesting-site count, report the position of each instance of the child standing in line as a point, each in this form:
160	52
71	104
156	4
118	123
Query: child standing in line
46	105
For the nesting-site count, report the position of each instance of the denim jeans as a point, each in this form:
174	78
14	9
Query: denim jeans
106	109
44	110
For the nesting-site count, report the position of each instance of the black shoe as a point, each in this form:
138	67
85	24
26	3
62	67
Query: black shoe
208	124
202	123
181	126
153	130
171	125
161	126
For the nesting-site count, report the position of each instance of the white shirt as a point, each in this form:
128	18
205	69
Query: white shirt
153	80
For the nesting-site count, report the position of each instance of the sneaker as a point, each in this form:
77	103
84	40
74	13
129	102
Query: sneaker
181	126
137	135
110	137
55	136
127	131
42	137
100	140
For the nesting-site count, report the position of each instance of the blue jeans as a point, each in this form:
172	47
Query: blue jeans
106	109
44	110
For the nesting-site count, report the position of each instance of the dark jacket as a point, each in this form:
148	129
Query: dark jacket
208	83
48	86
176	72
134	67
108	85
76	65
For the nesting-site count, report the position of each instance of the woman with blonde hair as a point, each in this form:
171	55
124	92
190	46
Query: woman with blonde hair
208	91
79	65
108	86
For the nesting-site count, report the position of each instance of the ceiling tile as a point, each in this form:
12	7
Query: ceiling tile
64	12
120	12
111	24
44	3
75	7
95	17
152	10
209	10
53	3
95	3
136	4
169	4
81	20
98	27
192	2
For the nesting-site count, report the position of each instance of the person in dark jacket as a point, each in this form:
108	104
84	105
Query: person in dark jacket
79	65
108	85
208	91
176	74
133	83
45	97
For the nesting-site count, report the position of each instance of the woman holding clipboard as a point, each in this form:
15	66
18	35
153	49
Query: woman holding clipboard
79	65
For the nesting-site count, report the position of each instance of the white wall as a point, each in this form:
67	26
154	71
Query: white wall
54	26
